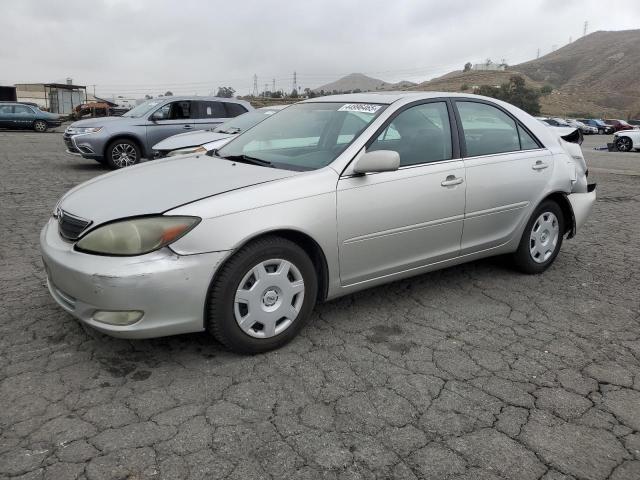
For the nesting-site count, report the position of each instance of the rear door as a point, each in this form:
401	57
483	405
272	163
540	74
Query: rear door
209	114
23	116
507	170
170	119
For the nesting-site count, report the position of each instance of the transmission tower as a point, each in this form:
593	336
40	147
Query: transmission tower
586	26
295	82
255	85
273	89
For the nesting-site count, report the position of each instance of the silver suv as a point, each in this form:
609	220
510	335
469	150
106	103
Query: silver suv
122	141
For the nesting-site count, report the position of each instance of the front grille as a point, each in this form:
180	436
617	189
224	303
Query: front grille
70	226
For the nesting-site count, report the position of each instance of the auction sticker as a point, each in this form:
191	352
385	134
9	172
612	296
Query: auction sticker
359	107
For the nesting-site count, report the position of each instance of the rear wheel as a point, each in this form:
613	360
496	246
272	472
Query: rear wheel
541	239
262	296
40	126
601	131
122	153
624	144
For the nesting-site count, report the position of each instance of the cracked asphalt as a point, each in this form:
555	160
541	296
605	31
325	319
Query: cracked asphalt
475	372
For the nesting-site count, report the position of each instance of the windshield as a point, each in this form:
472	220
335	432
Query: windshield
305	136
142	109
243	122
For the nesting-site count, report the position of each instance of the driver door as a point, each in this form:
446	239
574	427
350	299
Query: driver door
170	119
392	222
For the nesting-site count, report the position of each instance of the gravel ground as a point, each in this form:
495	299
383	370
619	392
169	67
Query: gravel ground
475	372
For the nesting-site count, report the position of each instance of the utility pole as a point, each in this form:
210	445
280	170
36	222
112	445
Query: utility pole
273	89
586	26
295	82
255	85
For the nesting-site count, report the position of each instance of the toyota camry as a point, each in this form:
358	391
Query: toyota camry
330	196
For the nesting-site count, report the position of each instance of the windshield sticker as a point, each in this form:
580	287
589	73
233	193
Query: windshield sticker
359	107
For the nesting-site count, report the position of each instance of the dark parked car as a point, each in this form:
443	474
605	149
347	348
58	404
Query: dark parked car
635	123
122	141
618	124
22	115
603	128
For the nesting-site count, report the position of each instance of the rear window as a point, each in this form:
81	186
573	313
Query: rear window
234	109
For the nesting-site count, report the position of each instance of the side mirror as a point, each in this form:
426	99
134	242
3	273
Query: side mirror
157	115
377	161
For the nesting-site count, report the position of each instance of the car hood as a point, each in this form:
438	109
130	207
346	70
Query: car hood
101	121
190	139
161	185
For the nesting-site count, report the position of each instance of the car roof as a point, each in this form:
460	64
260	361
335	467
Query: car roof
388	97
196	97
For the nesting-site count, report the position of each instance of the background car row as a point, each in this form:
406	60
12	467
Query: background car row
23	115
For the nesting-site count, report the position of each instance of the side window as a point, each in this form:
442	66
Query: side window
22	110
352	125
526	141
487	130
420	134
234	109
6	109
174	111
212	110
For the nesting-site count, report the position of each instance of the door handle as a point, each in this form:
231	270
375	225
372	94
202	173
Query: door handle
539	165
188	127
451	180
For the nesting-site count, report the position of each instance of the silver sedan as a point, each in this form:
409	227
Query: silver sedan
330	196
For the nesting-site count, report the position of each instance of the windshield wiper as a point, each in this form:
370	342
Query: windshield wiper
250	160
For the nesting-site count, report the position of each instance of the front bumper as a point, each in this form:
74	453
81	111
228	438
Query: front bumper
170	289
85	145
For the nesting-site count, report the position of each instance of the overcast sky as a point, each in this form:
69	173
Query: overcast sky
193	46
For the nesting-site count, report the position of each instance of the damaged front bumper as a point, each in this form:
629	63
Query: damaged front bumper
169	290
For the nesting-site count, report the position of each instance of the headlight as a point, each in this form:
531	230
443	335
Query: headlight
82	130
186	151
136	236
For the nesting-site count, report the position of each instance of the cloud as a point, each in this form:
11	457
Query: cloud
192	46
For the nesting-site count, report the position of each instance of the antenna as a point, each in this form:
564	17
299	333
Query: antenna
586	27
255	85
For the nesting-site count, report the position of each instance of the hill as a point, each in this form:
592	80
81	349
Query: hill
602	69
598	75
359	81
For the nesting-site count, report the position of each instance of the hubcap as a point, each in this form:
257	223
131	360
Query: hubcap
40	126
124	155
269	298
544	237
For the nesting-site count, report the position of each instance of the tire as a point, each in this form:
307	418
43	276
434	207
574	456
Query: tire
246	320
122	153
40	126
601	131
541	239
624	144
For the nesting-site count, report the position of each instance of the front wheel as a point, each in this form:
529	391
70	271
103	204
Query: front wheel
624	144
122	153
262	296
40	126
541	239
